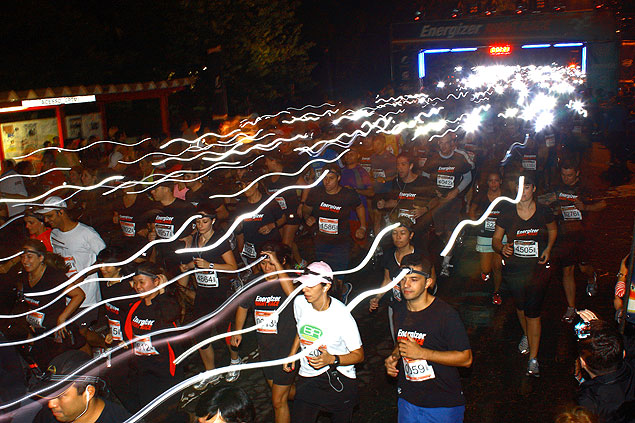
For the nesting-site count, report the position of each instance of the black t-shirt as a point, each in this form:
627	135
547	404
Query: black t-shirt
112	413
45	319
203	194
570	218
132	219
250	226
487	228
424	383
278	336
212	288
447	173
389	262
115	312
153	353
527	237
410	195
171	218
332	213
288	201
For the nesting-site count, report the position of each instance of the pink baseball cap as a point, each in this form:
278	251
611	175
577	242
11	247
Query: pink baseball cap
316	273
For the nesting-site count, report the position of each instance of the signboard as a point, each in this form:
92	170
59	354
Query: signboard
500	50
57	101
20	138
83	126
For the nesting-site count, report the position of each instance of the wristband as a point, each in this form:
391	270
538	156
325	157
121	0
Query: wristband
337	361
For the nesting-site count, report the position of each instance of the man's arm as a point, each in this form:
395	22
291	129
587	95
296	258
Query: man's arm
410	349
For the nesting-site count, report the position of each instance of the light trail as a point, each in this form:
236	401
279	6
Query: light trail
21	175
32	201
74	150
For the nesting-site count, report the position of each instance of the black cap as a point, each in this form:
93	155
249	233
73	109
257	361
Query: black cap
64	368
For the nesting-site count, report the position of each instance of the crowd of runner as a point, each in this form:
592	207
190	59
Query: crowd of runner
302	235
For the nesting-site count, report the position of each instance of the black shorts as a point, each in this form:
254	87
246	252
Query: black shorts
316	393
218	324
275	373
570	249
528	285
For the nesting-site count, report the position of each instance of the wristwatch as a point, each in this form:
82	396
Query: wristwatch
337	360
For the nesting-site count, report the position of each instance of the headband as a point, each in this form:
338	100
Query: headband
144	273
416	272
39	253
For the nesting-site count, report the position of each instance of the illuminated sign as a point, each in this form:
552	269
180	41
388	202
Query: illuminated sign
500	50
57	101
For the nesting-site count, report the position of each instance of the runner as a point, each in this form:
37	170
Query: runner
79	245
227	404
274	339
383	170
288	201
572	202
44	271
212	288
327	379
254	231
330	206
432	343
491	262
129	212
531	233
451	169
152	369
403	245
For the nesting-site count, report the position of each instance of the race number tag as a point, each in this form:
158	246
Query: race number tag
550	140
445	181
271	327
207	280
115	330
490	224
70	265
379	174
328	226
281	202
396	293
164	231
525	248
571	213
143	347
529	163
127	227
417	370
249	250
36	319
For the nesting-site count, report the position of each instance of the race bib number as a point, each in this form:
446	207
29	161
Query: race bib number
164	231
328	226
70	265
445	181
571	213
128	228
550	141
417	370
396	293
407	213
281	202
249	250
143	347
115	330
379	174
271	327
525	248
490	224
529	164
207	280
36	319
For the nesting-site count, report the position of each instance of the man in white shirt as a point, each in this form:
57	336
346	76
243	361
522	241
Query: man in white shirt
79	244
12	186
327	379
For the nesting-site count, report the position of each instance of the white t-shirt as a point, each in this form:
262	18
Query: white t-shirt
80	247
13	185
336	329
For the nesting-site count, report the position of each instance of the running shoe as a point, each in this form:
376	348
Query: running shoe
233	375
569	316
445	270
485	277
347	288
523	345
592	285
497	299
532	368
203	384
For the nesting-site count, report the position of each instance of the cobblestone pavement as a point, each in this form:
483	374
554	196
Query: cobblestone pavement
496	387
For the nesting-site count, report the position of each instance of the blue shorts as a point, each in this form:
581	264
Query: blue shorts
409	413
